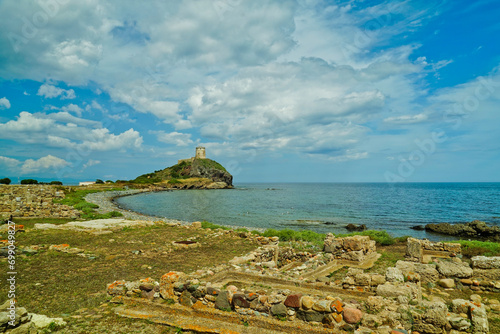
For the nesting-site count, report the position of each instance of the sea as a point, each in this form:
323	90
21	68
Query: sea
328	207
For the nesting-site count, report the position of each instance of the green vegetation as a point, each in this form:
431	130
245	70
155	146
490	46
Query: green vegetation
99	181
57	183
207	163
472	248
292	235
381	237
174	181
29	181
5	180
205	224
75	198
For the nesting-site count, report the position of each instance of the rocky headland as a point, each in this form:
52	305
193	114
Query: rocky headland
474	230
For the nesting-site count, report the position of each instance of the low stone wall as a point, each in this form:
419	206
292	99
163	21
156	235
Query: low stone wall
35	201
416	249
356	248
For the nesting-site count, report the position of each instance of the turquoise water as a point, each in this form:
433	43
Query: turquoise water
328	207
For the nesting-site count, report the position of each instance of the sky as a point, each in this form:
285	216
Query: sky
277	91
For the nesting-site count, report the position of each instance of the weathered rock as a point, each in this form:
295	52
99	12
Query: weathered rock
306	302
337	306
479	319
474	229
354	227
377	279
457	322
414	251
393	274
362	279
451	269
293	300
484	262
322	306
167	284
186	299
41	321
310	315
410	290
116	288
240	300
222	301
276	298
352	315
279	310
447	283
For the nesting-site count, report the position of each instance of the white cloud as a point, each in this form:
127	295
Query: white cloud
176	138
90	163
4	103
9	162
64	130
50	91
43	164
73	108
406	119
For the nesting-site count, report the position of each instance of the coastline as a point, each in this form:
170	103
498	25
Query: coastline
106	202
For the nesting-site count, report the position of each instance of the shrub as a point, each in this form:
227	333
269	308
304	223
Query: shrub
99	181
212	226
29	181
5	181
58	183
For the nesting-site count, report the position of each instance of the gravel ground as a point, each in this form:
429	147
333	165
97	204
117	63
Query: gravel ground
105	201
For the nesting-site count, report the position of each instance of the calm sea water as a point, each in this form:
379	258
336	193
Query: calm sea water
328	207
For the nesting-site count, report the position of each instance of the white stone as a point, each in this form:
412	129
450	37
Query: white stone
42	321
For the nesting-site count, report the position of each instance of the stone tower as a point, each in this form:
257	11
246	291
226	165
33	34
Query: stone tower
200	153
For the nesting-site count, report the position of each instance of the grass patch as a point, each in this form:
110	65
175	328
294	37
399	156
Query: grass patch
212	226
30	222
76	199
292	235
472	248
381	237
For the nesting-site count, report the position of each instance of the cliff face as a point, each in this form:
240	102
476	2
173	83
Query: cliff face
207	169
210	169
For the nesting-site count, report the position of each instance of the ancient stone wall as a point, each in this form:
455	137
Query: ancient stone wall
35	201
416	249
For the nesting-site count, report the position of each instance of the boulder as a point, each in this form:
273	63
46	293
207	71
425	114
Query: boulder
393	274
306	302
452	269
293	300
484	262
447	283
240	300
310	315
279	310
222	301
352	315
322	306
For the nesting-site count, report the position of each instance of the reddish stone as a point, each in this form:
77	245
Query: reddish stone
352	315
240	300
293	300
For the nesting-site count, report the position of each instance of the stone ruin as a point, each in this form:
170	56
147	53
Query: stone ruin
277	283
356	248
424	250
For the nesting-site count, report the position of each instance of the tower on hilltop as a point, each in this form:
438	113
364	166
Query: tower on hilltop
200	153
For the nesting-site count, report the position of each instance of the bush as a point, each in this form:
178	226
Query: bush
99	181
29	181
212	226
57	183
109	181
173	181
5	181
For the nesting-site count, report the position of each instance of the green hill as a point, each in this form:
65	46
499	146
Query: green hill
201	173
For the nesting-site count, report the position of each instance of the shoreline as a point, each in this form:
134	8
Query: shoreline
106	202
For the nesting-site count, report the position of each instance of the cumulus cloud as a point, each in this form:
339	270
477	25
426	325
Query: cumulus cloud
43	164
4	103
50	91
64	130
9	162
73	108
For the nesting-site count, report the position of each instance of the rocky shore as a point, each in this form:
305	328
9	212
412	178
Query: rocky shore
475	230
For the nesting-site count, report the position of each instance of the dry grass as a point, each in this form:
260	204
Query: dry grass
60	284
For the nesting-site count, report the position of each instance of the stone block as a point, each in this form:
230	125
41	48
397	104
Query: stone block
485	262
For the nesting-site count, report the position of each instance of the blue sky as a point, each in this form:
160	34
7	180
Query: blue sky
283	91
